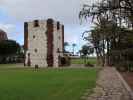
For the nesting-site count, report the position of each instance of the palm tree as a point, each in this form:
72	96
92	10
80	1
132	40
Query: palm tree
74	45
86	51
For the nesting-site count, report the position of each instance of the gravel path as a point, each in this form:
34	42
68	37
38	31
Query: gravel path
109	86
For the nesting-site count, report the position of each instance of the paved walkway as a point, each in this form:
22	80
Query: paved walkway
109	86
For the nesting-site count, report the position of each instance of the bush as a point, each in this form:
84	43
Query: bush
65	61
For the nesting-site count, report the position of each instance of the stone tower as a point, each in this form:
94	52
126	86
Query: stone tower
43	43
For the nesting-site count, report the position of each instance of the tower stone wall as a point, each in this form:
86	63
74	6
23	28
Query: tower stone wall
43	42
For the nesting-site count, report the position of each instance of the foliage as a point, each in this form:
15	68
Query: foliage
87	50
73	44
66	60
66	44
10	50
112	35
9	47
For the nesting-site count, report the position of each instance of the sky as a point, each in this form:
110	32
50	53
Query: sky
13	14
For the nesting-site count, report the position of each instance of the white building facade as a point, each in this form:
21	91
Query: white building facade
43	43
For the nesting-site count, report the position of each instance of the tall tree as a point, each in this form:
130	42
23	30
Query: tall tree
86	51
8	48
113	29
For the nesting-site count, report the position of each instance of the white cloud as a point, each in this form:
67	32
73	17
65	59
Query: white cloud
65	11
8	28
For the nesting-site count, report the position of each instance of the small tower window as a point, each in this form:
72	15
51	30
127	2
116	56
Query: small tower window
35	50
36	23
34	36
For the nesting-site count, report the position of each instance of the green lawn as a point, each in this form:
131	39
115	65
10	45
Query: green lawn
45	84
81	61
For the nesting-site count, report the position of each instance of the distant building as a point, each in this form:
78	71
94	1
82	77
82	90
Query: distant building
3	35
43	43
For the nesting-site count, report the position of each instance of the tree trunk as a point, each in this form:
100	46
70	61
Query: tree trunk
108	53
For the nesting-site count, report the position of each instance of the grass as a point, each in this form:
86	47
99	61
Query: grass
45	84
81	61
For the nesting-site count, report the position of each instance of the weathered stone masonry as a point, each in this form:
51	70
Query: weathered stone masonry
50	42
43	43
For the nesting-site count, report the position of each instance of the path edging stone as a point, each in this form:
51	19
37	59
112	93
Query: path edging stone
125	84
